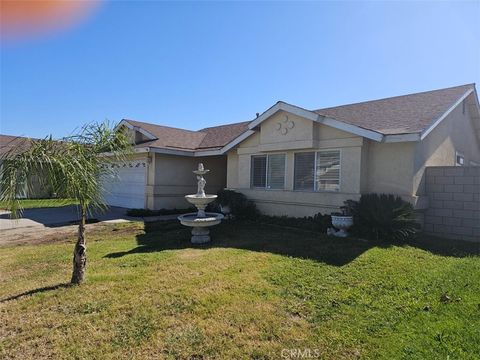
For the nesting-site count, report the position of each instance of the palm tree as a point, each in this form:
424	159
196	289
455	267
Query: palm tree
74	167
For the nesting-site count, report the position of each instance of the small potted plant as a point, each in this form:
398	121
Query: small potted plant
343	220
225	200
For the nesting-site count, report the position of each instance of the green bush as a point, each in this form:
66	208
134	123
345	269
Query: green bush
318	222
382	217
240	206
147	212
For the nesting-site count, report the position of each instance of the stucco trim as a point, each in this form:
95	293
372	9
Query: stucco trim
402	138
428	130
171	151
369	134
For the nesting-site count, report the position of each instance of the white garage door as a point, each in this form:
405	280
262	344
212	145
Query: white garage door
127	189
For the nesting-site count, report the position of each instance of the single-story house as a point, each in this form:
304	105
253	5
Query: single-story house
294	161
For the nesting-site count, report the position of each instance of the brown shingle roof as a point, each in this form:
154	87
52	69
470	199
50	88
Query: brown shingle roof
395	115
219	136
169	137
400	114
188	140
9	142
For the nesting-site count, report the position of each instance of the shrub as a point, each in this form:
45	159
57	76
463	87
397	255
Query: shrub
240	206
318	222
147	212
385	217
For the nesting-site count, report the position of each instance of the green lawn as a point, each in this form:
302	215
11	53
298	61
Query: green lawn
254	291
42	203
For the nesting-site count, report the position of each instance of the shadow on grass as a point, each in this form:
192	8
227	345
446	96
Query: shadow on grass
36	291
446	247
170	235
251	236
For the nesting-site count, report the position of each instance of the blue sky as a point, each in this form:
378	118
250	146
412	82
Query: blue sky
193	65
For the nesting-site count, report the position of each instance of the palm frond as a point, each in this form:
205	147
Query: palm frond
73	167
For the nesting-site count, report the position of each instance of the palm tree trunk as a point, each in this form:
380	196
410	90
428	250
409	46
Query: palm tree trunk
80	251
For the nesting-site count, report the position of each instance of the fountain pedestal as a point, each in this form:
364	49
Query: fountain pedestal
200	230
201	220
200	235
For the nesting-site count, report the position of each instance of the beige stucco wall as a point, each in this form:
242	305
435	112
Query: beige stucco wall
457	132
170	179
398	168
305	135
389	168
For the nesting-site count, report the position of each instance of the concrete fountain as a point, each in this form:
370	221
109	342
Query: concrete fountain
201	220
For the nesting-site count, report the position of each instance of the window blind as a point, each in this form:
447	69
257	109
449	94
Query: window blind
276	171
304	171
328	170
259	171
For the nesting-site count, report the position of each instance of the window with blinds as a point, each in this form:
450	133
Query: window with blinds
304	171
317	171
276	171
259	171
268	171
327	170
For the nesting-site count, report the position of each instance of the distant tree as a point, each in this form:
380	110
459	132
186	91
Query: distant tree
74	167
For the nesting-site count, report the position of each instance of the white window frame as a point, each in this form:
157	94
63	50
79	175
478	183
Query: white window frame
267	186
315	171
457	154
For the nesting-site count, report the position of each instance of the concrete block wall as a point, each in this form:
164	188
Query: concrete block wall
453	202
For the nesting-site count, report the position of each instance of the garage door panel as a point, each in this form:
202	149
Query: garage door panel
127	188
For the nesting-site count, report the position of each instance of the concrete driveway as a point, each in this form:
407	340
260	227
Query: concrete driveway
58	224
53	217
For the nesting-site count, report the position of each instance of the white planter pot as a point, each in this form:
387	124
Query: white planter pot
342	223
225	209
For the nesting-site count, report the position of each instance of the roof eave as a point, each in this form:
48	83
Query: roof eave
141	130
392	138
436	122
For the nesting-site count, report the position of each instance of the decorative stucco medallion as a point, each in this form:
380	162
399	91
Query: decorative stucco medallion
285	125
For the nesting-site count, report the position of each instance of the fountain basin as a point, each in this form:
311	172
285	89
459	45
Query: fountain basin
192	219
200	200
200	232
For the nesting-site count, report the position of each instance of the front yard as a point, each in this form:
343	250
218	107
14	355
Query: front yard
42	203
257	292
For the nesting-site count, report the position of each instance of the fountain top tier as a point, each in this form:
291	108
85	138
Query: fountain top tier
200	182
201	170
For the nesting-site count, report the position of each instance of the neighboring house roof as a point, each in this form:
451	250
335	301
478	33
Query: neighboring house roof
400	114
9	142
